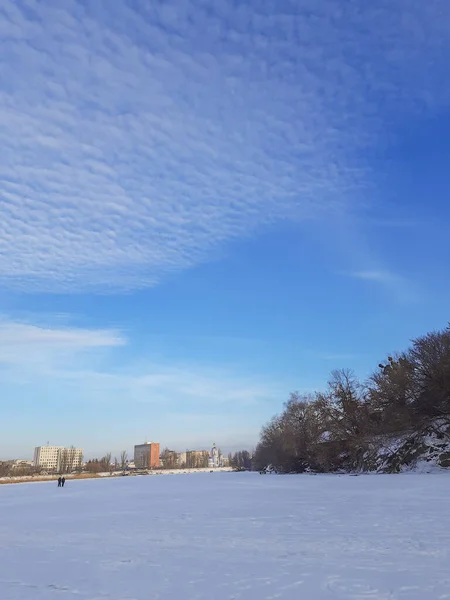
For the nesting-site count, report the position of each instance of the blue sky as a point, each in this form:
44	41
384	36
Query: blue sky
208	204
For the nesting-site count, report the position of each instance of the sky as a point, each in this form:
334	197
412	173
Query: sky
208	204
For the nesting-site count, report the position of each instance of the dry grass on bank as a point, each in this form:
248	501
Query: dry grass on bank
40	478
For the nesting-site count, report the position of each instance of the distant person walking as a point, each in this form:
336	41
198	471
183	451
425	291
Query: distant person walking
59	481
63	481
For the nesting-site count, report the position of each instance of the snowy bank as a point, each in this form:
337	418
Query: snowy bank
187	471
423	451
41	478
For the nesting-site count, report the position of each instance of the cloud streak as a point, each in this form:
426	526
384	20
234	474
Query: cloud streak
140	142
396	286
26	336
94	365
382	277
26	345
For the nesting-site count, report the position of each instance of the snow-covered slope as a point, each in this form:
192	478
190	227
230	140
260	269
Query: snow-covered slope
227	536
422	451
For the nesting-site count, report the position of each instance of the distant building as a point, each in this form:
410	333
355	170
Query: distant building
71	459
17	465
58	458
46	457
215	458
22	464
146	456
181	459
197	459
169	459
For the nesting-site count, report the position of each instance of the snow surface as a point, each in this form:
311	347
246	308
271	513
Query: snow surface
225	536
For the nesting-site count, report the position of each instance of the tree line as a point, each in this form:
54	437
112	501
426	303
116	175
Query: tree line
332	429
240	461
105	464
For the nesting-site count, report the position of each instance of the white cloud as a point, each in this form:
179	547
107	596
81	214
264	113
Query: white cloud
23	335
27	345
192	387
399	288
382	277
138	144
80	360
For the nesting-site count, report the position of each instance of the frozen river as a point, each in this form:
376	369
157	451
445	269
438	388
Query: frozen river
227	536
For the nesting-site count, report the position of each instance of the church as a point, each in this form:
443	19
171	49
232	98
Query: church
215	457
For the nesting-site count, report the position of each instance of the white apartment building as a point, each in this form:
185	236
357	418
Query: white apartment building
56	458
47	457
181	459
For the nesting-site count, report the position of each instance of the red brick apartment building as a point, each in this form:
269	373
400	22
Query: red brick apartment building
146	456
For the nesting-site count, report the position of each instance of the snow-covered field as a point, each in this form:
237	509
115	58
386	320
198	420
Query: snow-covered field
227	536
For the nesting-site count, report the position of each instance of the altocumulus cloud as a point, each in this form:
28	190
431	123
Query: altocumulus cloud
138	138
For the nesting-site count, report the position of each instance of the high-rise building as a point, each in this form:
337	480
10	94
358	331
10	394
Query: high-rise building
58	458
46	457
146	456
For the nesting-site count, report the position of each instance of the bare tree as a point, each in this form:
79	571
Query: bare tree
106	462
430	358
80	463
241	461
5	469
71	459
169	459
299	439
94	466
123	460
63	461
197	459
392	393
